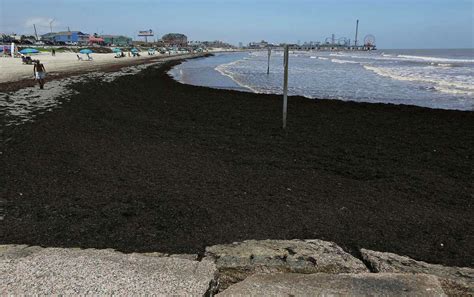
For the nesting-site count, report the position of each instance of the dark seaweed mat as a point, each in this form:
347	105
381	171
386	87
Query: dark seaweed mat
147	164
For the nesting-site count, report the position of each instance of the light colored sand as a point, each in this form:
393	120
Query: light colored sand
12	69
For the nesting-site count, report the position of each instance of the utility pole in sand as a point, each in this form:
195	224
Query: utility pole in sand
285	85
269	54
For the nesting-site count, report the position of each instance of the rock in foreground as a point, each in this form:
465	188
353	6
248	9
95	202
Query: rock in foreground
455	280
321	284
48	271
238	260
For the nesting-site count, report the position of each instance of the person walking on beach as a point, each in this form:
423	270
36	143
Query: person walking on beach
39	72
53	52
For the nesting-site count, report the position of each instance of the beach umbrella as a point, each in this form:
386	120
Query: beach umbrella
29	51
117	50
134	50
86	51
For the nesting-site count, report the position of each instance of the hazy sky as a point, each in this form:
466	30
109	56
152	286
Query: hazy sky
395	23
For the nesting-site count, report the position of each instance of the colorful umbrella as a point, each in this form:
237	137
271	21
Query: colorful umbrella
86	51
134	50
29	51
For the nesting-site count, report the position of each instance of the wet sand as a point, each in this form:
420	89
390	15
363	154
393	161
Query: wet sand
145	163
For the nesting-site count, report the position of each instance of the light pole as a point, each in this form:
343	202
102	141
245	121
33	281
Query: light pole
285	85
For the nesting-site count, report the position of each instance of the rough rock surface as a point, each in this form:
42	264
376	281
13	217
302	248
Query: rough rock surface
34	270
322	284
238	260
455	280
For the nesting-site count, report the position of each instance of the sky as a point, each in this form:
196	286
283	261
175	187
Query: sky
394	23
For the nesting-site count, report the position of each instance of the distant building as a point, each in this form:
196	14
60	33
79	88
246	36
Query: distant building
94	39
116	40
175	39
66	37
257	45
48	37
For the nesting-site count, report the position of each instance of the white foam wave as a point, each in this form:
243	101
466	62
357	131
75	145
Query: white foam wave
322	58
436	59
224	70
441	84
443	64
343	61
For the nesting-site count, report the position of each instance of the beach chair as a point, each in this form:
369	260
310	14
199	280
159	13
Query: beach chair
89	58
79	58
26	60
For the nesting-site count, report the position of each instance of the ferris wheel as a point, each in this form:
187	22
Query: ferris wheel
369	40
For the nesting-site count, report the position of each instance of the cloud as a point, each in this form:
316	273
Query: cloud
40	22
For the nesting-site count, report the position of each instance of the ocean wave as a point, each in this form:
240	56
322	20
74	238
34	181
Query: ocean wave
444	64
436	59
224	70
322	58
440	84
343	61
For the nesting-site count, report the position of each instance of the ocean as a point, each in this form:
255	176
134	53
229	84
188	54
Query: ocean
437	78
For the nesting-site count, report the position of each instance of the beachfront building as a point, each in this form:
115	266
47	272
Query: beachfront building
48	37
208	44
116	40
258	45
71	37
68	37
94	39
175	40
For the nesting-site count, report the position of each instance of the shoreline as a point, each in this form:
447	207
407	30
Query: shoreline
18	84
159	165
408	91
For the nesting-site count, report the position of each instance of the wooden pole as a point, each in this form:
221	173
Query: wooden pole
285	86
269	54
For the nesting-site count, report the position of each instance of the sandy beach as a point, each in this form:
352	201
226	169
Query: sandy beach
14	70
144	163
16	75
